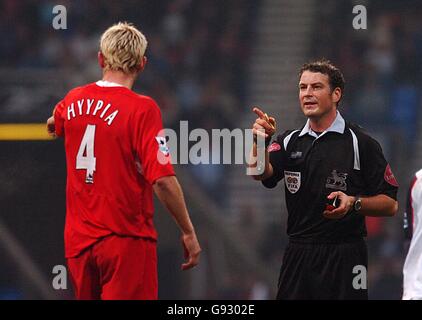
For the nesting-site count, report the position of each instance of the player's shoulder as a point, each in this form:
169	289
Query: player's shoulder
147	100
145	104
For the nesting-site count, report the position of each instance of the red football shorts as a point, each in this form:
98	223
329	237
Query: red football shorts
116	268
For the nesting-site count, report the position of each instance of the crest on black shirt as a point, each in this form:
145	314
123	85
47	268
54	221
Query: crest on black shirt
292	181
337	181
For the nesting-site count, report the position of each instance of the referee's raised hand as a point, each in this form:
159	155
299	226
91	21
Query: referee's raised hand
264	125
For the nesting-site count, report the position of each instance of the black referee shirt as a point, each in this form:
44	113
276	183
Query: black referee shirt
342	158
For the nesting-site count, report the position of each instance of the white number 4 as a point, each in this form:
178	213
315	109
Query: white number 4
85	158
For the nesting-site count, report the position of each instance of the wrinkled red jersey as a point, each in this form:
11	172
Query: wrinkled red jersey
115	151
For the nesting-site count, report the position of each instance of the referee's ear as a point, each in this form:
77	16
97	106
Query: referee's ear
336	95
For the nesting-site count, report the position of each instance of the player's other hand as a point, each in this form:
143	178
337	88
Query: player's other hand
264	125
51	128
191	249
345	204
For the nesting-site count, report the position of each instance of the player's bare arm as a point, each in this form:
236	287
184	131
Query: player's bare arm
264	126
170	193
376	206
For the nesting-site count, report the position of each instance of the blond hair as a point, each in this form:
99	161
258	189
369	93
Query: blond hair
123	47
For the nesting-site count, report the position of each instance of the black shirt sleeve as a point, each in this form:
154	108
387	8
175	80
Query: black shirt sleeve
377	173
277	154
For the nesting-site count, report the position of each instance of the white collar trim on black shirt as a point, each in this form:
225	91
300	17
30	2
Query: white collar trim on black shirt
104	83
338	126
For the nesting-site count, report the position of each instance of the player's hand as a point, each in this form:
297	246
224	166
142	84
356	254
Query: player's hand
346	204
51	128
264	125
191	250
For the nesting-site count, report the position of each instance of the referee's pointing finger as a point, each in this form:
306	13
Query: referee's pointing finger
259	112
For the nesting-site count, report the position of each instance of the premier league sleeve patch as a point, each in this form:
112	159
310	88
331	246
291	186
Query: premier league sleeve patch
162	145
274	147
389	176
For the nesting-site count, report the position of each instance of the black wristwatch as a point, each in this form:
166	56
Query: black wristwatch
357	205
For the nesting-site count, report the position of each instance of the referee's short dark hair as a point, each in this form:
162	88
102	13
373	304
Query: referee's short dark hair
325	66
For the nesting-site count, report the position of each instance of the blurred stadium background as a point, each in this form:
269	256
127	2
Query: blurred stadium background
209	62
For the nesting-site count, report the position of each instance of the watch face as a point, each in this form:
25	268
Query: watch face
358	205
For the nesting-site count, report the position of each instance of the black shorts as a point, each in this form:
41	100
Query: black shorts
328	271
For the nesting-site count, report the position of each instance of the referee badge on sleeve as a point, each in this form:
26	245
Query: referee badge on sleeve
389	176
274	147
292	181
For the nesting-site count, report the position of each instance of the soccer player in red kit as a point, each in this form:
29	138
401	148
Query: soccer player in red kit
116	157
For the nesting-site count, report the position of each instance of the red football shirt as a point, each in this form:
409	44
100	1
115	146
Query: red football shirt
114	152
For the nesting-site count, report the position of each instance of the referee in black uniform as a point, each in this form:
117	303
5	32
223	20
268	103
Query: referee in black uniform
334	176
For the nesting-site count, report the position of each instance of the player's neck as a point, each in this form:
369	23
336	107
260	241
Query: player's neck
119	78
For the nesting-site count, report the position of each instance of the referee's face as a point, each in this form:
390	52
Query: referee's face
316	98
